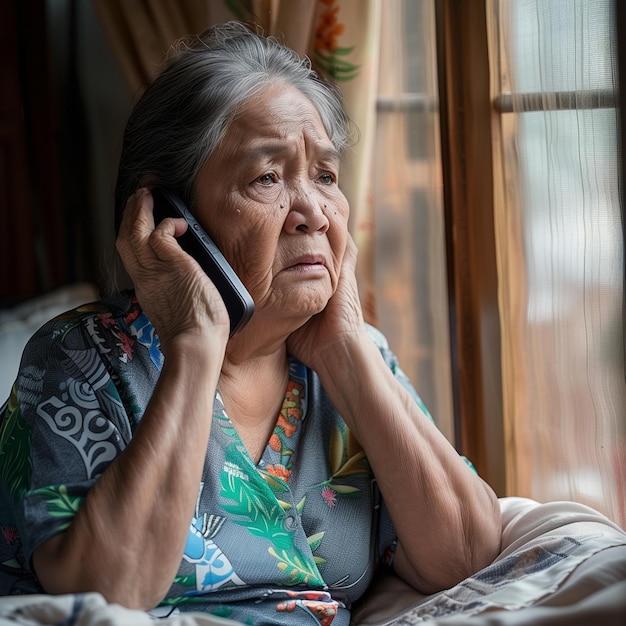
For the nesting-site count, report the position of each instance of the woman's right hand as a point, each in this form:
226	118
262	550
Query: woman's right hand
109	546
176	294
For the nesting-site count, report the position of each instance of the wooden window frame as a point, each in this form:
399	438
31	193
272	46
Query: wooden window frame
467	162
469	121
620	29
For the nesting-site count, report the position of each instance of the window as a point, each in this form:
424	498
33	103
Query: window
519	203
412	296
560	249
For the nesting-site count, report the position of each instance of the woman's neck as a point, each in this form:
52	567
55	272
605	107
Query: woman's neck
253	393
263	338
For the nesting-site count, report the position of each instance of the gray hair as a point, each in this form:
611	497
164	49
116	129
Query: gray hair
183	114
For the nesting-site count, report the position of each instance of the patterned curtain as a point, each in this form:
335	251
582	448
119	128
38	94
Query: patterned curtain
341	37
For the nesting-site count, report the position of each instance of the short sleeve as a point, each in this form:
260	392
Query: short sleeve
64	424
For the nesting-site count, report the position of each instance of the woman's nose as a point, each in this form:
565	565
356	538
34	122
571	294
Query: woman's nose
307	213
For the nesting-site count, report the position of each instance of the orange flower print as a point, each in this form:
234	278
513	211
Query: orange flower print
280	471
324	611
326	49
294	393
275	443
328	28
290	414
287	424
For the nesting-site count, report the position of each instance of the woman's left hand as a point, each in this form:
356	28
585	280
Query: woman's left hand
446	518
340	321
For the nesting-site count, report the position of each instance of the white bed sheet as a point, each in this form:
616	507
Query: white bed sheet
561	564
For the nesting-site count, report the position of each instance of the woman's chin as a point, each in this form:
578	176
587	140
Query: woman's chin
302	300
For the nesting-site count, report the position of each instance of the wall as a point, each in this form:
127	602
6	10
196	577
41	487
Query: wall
93	104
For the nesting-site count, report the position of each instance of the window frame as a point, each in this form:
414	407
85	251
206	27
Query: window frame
470	133
467	160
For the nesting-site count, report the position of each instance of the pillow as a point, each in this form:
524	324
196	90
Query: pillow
20	322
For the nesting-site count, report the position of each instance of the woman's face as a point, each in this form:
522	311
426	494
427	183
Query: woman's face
269	197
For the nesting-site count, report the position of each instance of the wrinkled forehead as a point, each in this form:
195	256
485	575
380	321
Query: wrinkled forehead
276	121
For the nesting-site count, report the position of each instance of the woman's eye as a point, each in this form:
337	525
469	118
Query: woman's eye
327	178
266	179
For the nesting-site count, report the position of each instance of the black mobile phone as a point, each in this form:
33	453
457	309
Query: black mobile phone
197	243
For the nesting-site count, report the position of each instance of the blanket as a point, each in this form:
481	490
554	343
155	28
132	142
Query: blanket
561	563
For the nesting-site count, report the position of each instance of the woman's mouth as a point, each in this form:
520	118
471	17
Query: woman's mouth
308	264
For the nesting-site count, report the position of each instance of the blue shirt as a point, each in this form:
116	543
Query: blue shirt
293	539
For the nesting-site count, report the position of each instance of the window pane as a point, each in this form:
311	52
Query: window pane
562	307
410	256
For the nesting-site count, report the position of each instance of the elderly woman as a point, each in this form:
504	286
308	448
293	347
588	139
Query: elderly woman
265	476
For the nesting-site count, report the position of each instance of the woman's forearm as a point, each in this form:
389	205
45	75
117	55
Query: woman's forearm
446	517
127	539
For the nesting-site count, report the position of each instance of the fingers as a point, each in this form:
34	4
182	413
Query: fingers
167	280
352	251
137	216
136	226
349	261
139	243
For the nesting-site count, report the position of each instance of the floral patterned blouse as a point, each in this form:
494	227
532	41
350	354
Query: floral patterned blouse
294	539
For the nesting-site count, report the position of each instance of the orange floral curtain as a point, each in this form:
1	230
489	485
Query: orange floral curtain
341	37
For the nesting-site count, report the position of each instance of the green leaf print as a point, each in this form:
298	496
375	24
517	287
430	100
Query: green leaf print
315	540
187	581
15	458
262	512
300	505
300	570
346	459
60	503
226	425
249	497
345	490
334	67
356	465
276	485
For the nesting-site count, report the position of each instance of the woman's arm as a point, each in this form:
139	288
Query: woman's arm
447	518
127	539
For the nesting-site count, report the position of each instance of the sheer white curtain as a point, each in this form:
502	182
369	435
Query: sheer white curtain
409	256
561	253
